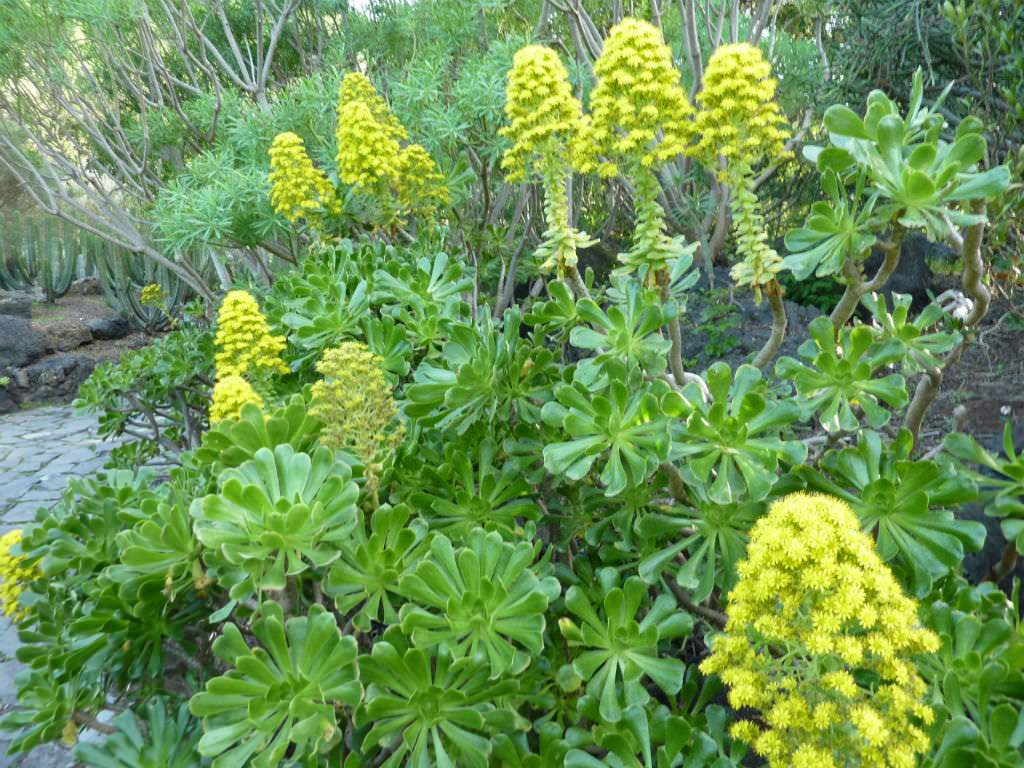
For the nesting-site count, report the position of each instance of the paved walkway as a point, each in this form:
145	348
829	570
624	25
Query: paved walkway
40	449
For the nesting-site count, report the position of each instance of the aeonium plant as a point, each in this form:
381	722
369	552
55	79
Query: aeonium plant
561	523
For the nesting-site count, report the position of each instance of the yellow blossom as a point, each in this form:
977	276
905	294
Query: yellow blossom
367	152
420	188
355	404
229	395
298	189
543	115
639	113
355	87
544	120
812	705
14	575
153	295
739	120
737	116
245	346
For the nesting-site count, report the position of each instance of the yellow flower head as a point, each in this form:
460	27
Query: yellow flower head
355	87
842	611
13	575
367	152
355	404
229	395
298	190
152	295
543	114
419	186
244	344
738	117
639	113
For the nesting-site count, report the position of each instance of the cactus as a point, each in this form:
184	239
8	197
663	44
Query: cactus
58	259
46	250
123	275
14	270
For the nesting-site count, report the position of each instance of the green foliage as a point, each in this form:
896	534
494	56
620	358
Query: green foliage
468	389
616	650
429	708
169	742
734	436
902	171
233	442
625	420
279	697
367	573
46	250
844	376
274	517
476	600
906	501
156	395
1002	493
457	491
124	275
718	541
910	340
629	331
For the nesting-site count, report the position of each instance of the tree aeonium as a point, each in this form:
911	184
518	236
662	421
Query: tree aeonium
639	118
544	119
740	125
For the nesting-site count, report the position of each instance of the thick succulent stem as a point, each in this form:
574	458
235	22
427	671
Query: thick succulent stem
855	285
974	268
774	292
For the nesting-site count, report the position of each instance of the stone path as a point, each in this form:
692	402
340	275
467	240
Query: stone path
40	450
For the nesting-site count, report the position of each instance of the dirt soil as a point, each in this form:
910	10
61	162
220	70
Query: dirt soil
78	309
988	381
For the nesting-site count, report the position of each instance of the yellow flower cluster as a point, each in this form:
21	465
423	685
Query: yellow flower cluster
13	575
367	153
355	403
639	113
245	348
418	185
543	115
229	395
544	121
298	189
739	118
371	158
152	295
814	603
355	87
244	344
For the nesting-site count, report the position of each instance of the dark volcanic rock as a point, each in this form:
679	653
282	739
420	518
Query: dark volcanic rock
65	336
16	303
106	328
913	274
20	342
87	286
725	324
56	379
